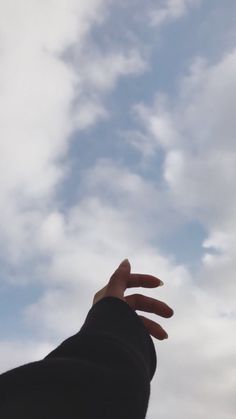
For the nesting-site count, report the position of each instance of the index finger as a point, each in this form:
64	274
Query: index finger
143	280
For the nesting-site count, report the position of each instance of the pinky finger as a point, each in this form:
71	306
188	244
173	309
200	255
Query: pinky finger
153	328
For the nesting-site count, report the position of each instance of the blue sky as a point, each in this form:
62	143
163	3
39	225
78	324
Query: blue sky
118	140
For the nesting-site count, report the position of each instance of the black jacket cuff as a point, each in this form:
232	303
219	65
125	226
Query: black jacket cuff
113	319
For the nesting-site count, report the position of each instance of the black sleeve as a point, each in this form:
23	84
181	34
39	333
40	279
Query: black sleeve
102	372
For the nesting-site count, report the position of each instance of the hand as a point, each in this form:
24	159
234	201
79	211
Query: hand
122	279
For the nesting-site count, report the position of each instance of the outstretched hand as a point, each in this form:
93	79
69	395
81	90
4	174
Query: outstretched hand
122	279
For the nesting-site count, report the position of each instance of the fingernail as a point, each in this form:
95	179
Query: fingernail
161	283
124	263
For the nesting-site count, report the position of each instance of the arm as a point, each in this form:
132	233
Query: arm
104	371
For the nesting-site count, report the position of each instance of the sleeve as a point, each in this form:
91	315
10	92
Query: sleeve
104	371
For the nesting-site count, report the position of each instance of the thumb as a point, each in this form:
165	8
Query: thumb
118	281
125	265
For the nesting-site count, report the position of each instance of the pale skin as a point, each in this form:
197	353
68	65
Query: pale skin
121	279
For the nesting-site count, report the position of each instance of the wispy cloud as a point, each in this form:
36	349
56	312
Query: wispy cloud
170	10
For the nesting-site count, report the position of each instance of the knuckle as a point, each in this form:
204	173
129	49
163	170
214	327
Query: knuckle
114	276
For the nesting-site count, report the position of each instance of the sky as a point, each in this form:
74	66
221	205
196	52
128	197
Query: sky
117	139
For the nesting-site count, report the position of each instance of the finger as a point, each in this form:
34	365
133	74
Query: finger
148	304
118	281
144	280
153	328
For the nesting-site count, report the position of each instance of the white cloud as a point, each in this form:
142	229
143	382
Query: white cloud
170	10
37	90
44	98
198	142
53	25
115	201
202	178
107	68
160	128
197	132
18	352
88	113
138	140
98	73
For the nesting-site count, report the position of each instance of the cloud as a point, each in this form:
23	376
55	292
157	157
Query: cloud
108	67
98	73
52	84
15	353
196	133
37	90
172	10
115	200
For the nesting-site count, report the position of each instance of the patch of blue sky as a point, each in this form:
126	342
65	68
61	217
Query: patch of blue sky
20	285
14	299
184	245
